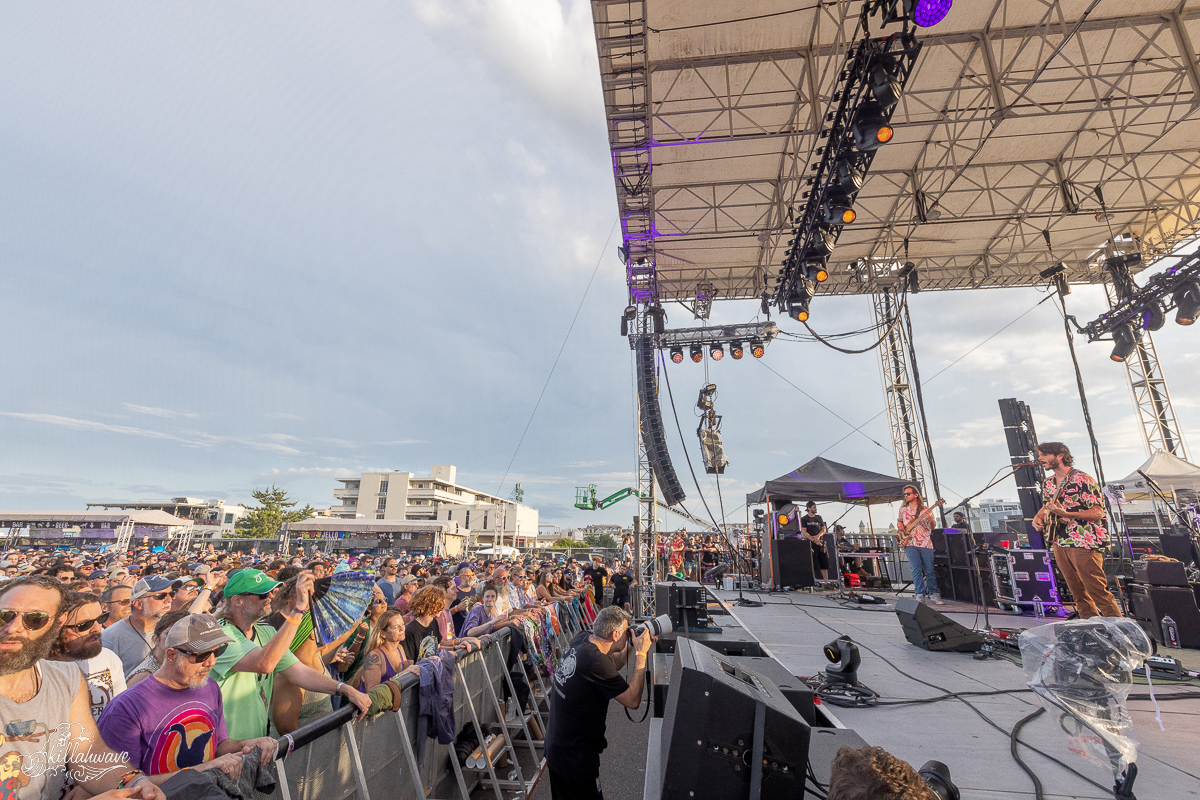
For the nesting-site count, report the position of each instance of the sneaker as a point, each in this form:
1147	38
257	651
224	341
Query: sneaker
920	598
938	601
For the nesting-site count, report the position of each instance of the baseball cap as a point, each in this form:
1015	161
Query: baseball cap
249	581
405	581
151	584
197	633
202	569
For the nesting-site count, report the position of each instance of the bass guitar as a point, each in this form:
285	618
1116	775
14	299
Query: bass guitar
904	538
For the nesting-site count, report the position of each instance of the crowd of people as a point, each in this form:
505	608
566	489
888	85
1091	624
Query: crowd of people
144	663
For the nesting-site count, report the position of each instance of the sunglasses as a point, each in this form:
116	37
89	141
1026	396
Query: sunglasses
196	658
84	627
32	620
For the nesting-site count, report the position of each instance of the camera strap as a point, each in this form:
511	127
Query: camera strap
756	763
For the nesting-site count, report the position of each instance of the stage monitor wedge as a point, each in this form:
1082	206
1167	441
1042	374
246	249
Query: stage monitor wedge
708	728
931	630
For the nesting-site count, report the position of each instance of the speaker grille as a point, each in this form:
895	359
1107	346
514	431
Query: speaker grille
653	433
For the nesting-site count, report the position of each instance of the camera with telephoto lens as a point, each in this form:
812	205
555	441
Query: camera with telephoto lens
657	626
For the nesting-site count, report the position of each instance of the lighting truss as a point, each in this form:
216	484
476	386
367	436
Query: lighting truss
1156	297
814	238
720	334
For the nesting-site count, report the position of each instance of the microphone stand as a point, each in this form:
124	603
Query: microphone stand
987	622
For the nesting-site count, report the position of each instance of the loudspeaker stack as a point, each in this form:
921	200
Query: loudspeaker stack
1162	592
653	433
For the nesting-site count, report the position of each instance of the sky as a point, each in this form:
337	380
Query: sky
278	243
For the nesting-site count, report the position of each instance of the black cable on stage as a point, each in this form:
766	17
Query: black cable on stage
1012	749
982	716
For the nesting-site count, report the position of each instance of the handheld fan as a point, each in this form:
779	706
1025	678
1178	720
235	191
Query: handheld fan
338	603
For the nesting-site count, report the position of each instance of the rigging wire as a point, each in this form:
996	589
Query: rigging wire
561	347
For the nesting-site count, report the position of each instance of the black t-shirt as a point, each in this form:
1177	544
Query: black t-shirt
415	633
708	556
597	574
584	681
621	582
813	525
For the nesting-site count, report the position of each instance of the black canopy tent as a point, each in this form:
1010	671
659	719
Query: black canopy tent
827	481
831	482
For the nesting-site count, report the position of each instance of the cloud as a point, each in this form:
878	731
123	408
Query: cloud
283	415
165	413
585	464
338	472
542	47
393	442
274	441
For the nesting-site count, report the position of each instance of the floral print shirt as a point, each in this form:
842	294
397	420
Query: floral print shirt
1080	492
920	534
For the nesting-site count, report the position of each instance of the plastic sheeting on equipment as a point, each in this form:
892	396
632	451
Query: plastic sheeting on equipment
1084	670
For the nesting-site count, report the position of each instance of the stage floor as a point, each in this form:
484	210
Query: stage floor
794	627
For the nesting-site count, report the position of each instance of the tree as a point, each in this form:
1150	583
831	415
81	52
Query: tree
274	509
600	540
564	542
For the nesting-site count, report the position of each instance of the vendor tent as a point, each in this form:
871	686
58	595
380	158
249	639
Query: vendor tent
829	481
1170	472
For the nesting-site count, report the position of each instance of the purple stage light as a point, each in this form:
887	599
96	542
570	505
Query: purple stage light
927	13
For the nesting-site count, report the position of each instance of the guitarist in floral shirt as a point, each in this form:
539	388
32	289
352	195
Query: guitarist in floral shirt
1072	520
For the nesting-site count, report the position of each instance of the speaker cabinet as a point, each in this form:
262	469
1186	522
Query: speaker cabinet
685	602
792	564
653	433
708	731
930	630
1160	573
1149	604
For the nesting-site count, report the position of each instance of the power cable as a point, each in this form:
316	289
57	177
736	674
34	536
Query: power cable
562	347
1012	749
886	334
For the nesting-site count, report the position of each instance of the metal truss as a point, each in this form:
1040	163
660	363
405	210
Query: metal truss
646	533
1159	427
1016	112
897	389
765	332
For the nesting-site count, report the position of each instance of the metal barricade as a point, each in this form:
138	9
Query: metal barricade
390	756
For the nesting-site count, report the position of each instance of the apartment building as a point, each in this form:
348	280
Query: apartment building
404	495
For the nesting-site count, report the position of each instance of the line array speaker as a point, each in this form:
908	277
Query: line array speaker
653	433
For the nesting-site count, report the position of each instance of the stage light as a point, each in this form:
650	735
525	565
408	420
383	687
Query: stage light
736	351
885	86
697	353
756	348
782	519
798	308
927	13
848	176
677	355
838	211
1187	303
1123	337
870	129
821	275
844	660
1154	317
820	247
716	352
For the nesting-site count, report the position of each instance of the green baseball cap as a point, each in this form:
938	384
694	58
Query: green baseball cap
249	581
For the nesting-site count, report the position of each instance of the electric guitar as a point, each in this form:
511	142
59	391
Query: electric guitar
904	538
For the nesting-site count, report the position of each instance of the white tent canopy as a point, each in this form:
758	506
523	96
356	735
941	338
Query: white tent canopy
1170	472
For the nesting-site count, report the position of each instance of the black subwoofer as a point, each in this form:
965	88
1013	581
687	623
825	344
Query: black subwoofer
792	563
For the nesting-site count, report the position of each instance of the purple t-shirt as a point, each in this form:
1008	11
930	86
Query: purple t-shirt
476	617
164	729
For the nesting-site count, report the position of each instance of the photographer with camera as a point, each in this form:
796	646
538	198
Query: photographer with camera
586	678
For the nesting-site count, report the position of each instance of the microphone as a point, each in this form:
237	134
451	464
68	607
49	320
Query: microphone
1028	464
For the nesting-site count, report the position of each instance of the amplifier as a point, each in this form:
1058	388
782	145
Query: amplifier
1149	604
1160	573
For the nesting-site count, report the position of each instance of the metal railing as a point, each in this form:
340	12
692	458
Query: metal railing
389	755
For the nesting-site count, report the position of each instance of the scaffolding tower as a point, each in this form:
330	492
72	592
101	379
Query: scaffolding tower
898	390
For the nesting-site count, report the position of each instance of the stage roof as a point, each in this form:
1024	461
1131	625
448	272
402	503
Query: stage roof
49	518
1016	112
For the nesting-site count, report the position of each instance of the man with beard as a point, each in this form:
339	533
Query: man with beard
79	641
130	638
246	670
45	705
174	720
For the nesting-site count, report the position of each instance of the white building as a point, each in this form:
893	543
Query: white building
402	495
211	519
